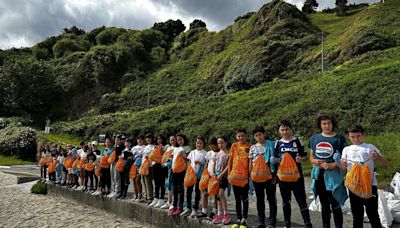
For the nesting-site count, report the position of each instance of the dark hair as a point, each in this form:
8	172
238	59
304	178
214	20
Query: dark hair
149	135
213	141
86	147
258	129
140	137
355	128
327	116
162	138
128	140
284	123
185	141
224	138
82	144
201	138
118	137
241	130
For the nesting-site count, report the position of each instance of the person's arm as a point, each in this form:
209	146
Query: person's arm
301	155
230	160
377	156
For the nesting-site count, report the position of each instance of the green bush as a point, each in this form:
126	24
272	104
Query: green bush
39	188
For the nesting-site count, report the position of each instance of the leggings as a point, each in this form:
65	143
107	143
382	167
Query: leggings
197	197
89	175
159	175
327	201
105	178
179	194
43	171
241	195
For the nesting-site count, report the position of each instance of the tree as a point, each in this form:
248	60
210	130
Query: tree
309	6
74	30
197	24
341	7
170	28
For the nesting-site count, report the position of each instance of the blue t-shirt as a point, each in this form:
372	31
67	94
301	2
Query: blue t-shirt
325	147
293	147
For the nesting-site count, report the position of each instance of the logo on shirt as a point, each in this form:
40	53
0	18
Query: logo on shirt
324	150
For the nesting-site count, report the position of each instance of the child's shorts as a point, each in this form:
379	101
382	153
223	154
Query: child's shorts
71	171
223	183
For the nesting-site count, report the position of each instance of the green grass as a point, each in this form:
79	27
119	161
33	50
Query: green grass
13	160
39	188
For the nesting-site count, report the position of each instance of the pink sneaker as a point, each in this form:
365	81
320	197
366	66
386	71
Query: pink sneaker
217	219
171	211
226	219
178	211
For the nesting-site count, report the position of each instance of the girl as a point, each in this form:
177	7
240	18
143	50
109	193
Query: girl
178	177
367	154
168	166
115	176
148	179
137	152
238	169
264	150
105	178
46	155
60	167
197	161
292	145
159	174
326	177
221	171
128	162
89	172
97	152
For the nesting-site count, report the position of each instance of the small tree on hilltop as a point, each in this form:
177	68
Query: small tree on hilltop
341	7
309	6
197	24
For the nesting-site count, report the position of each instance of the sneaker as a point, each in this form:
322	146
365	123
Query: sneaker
165	206
152	204
193	214
217	219
159	203
186	213
112	194
202	216
171	211
236	224
243	224
211	216
178	211
226	219
142	200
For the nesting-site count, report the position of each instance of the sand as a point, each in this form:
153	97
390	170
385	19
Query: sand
20	208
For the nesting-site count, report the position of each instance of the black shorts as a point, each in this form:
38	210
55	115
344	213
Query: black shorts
223	183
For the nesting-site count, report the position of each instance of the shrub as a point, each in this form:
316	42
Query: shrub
18	140
39	188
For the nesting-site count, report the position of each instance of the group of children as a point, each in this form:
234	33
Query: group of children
177	168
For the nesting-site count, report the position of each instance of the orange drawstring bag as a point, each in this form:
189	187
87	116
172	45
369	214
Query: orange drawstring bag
156	155
104	162
52	167
112	157
83	163
288	171
68	163
133	172
238	175
144	168
358	180
205	178
119	166
179	165
190	177
166	156
49	160
97	171
79	163
260	172
75	164
89	166
213	186
42	161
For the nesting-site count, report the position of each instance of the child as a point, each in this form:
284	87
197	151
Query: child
137	152
81	156
292	145
46	155
148	179
168	165
89	172
210	164
262	148
115	176
97	153
326	177
365	153
128	162
105	178
60	167
221	171
159	175
197	161
178	178
238	174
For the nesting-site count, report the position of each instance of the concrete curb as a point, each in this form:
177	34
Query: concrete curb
150	217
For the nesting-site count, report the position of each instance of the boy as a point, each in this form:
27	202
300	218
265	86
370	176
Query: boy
366	153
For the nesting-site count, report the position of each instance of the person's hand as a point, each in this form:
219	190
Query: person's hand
146	156
298	158
344	163
324	165
197	162
316	162
219	178
374	155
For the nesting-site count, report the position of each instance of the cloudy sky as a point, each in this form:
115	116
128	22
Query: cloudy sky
26	22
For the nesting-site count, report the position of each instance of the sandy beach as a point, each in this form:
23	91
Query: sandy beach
20	208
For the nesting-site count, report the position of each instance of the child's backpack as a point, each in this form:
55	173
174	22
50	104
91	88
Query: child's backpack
112	157
358	180
104	162
144	168
288	171
213	186
52	167
133	172
179	165
156	154
119	166
68	163
260	172
97	171
89	166
190	177
239	173
205	178
166	156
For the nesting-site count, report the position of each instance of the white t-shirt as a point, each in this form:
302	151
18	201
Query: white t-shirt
146	152
137	151
60	159
361	153
210	157
256	150
197	155
46	154
82	154
184	150
221	161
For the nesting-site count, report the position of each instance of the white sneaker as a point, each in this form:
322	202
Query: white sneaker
186	213
159	203
110	195
154	202
165	206
193	214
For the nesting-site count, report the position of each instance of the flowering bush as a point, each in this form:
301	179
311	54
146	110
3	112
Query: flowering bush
16	139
